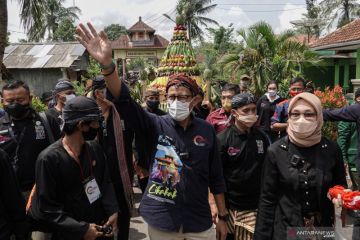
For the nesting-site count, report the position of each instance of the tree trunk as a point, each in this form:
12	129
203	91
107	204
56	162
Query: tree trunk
347	11
3	28
188	30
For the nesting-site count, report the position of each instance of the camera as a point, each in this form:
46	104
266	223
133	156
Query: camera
106	229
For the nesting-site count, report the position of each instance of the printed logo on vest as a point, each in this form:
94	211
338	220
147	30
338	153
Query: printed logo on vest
233	151
200	141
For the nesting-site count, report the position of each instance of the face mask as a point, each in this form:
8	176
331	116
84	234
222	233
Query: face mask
179	111
302	128
17	110
153	104
227	106
90	134
69	97
272	93
247	120
294	93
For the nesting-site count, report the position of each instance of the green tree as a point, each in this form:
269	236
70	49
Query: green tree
267	56
222	38
340	12
191	14
312	23
30	14
52	15
114	31
93	69
222	42
65	32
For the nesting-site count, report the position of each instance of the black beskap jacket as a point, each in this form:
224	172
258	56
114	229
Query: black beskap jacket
279	205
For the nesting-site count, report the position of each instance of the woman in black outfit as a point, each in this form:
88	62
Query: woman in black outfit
265	108
298	171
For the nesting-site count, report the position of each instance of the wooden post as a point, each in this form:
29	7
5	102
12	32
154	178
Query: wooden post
337	73
346	75
123	68
358	63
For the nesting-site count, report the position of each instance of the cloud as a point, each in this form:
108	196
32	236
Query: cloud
290	13
106	12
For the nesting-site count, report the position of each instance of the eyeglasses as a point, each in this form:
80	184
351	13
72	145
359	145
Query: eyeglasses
307	115
181	98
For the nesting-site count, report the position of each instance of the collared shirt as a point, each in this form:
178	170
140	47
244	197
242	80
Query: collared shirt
60	200
184	163
219	119
243	157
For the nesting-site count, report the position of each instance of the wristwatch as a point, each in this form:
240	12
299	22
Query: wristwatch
224	217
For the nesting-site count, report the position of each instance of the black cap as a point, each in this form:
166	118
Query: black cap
80	109
46	96
357	93
242	99
98	82
63	86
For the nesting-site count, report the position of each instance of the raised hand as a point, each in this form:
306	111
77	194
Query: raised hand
98	45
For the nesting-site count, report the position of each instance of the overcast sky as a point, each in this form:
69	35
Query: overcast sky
241	13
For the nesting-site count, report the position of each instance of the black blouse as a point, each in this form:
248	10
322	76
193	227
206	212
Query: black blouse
283	194
265	110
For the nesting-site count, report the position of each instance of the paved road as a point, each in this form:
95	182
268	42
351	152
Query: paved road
138	228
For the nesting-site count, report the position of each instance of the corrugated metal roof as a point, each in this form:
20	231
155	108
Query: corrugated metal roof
51	55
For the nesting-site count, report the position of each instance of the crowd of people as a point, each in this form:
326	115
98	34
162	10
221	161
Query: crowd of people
248	170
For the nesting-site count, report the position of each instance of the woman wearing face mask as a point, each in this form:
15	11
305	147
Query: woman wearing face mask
265	107
298	171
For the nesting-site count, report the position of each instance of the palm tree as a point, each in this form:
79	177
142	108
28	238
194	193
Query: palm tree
30	13
54	12
265	56
340	11
192	13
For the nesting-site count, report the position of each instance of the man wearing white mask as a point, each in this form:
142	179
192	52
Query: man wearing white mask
182	152
63	91
242	151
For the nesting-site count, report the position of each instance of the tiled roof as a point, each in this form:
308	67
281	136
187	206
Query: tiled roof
348	33
123	42
141	26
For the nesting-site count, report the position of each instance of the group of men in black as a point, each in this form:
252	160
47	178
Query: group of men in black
43	152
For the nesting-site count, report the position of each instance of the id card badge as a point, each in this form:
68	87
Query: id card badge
92	190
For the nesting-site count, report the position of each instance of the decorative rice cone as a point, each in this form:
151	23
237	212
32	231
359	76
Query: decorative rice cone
179	58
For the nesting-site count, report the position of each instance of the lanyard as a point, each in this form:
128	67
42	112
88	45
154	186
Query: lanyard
77	160
18	139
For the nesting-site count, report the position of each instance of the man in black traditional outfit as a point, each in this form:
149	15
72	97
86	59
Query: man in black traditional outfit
74	197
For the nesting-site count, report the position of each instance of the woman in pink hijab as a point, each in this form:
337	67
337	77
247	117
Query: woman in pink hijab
298	171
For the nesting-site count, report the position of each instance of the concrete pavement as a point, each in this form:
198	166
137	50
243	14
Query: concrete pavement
138	227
